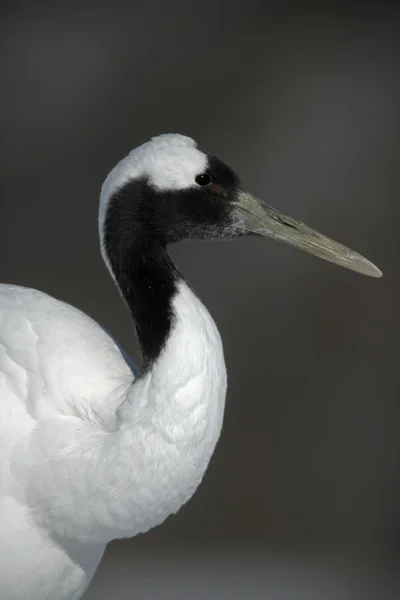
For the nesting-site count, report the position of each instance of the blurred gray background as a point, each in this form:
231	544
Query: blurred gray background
302	498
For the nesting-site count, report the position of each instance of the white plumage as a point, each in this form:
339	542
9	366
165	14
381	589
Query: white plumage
86	455
90	453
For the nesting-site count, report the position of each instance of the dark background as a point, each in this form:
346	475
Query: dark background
302	497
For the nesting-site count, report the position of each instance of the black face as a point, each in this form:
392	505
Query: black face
204	211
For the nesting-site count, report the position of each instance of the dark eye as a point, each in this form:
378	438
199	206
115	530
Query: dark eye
203	179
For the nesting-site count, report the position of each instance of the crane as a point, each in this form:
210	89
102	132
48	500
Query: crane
91	448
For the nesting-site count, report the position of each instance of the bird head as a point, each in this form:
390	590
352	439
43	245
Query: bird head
168	190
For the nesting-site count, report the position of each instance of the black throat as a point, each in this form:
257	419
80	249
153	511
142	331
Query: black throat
145	273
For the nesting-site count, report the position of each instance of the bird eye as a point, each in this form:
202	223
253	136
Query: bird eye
203	179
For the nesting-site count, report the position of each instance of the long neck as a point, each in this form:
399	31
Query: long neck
179	340
146	276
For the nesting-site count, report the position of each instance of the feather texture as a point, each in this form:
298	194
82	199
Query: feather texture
89	453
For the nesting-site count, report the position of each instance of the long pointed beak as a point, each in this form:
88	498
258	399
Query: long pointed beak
257	217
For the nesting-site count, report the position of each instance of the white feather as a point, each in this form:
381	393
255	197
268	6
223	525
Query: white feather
88	454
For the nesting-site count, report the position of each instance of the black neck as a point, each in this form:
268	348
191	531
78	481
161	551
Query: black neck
147	278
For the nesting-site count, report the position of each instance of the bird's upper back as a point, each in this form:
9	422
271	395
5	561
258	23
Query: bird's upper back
55	360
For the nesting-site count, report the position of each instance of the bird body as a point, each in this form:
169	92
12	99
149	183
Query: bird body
92	450
97	457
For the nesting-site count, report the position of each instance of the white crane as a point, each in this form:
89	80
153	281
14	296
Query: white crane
89	452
